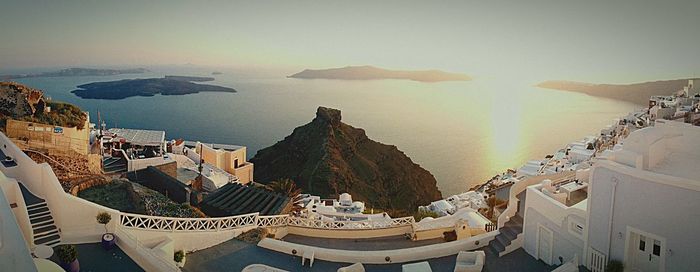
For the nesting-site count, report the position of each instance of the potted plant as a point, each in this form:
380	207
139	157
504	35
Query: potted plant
108	239
614	266
68	258
179	258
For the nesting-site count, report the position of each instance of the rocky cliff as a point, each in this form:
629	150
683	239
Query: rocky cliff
17	100
327	157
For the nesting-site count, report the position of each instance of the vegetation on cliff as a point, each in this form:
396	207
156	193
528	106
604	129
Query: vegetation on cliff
327	157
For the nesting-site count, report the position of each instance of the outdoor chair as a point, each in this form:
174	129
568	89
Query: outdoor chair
356	267
470	261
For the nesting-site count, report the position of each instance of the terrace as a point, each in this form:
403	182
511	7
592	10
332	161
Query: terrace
235	255
93	257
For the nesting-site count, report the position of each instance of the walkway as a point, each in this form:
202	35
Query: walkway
383	243
234	255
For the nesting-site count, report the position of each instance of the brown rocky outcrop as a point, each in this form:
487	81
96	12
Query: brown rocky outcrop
327	157
17	100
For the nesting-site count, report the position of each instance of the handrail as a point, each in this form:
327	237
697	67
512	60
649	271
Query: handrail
174	224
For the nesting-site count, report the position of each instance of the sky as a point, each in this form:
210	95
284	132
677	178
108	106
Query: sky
591	41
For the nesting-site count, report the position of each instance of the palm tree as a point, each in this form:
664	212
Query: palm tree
284	186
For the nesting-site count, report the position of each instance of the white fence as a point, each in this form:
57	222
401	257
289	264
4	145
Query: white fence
596	260
319	224
174	224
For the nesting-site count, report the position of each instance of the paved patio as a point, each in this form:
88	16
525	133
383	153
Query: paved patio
382	243
93	257
235	255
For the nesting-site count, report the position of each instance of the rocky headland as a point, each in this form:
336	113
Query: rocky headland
327	157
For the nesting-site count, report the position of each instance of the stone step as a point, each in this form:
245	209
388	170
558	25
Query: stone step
36	205
497	246
53	243
47	239
40	219
37	210
503	239
42	224
39	214
44	229
46	234
509	232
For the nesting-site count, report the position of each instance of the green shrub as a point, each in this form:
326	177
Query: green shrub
66	253
179	255
423	214
614	266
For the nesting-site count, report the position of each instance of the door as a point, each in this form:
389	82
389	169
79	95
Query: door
544	245
645	252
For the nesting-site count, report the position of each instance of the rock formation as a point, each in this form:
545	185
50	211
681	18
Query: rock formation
17	100
327	157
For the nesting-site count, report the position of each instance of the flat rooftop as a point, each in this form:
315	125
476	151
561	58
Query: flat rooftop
139	136
679	164
227	147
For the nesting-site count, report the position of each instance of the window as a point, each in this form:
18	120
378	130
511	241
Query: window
656	250
642	242
235	163
576	229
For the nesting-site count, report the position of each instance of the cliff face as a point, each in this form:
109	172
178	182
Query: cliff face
327	157
17	100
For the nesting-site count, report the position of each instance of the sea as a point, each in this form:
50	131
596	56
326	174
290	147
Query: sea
462	132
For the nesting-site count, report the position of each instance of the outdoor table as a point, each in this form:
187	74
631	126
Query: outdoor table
572	187
43	252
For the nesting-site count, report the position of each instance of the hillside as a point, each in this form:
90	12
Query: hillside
637	93
371	72
327	157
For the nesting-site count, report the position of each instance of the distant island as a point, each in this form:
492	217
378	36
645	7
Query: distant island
371	72
216	73
637	93
80	72
168	85
191	78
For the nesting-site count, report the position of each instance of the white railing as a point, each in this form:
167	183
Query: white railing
272	220
320	224
174	224
596	260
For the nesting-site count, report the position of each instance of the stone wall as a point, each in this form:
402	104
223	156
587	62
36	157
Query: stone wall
48	138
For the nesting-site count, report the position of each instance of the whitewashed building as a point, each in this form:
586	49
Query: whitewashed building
644	201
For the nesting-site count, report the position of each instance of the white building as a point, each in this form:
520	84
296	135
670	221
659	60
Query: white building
644	201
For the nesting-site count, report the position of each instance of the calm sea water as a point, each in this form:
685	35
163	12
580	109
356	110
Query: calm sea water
462	132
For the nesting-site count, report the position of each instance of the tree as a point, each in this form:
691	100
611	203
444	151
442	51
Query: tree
103	218
284	186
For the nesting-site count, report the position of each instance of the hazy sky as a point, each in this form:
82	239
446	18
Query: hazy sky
596	41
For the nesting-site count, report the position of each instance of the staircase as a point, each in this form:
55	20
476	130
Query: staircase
508	233
114	165
43	227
